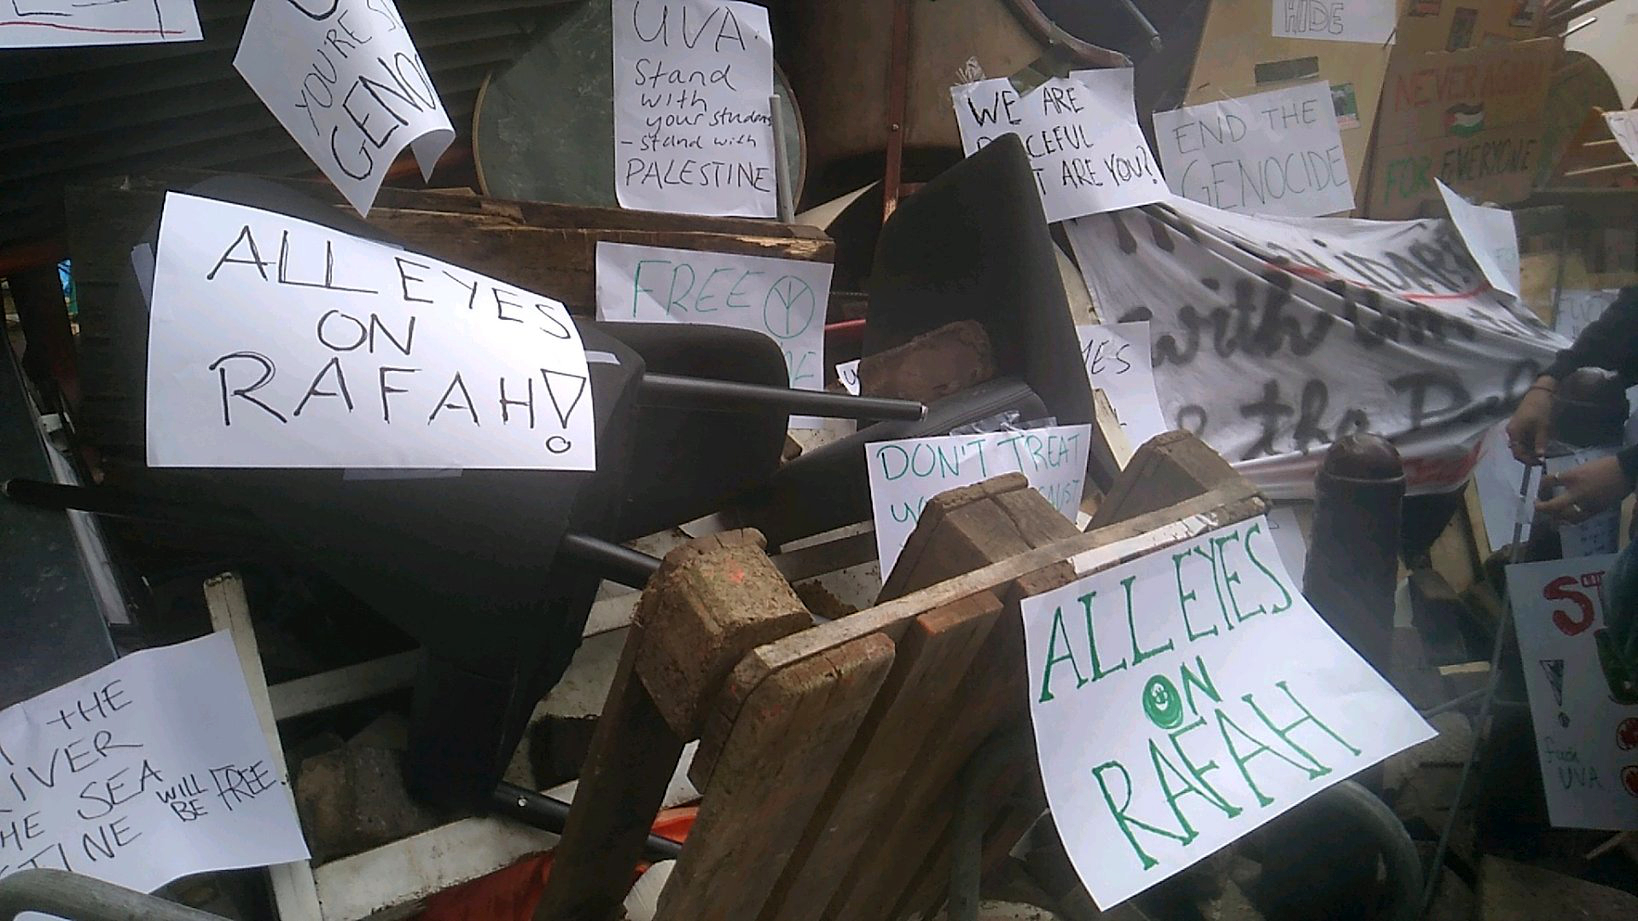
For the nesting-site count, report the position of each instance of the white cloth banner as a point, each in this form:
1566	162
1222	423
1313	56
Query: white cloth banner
1081	135
58	23
276	342
784	299
1278	152
1275	336
904	474
1369	21
146	770
1491	237
344	78
1587	741
693	127
1183	699
1116	356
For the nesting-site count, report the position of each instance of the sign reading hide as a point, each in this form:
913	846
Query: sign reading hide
1183	699
693	127
784	299
1080	132
1273	337
904	474
145	770
344	78
1585	714
1470	118
58	23
1273	153
276	342
1369	21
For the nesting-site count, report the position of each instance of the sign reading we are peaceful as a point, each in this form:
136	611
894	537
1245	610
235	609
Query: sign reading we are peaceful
693	124
277	342
1187	697
904	474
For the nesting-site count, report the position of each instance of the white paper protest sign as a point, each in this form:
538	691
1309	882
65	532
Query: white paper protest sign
145	770
848	374
1491	237
344	78
1278	152
1187	697
1369	21
784	299
1275	336
1116	356
1586	737
58	23
1080	132
276	342
1578	309
693	126
1624	125
904	474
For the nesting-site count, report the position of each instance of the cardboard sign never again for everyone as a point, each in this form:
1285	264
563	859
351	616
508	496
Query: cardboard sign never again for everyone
1081	135
1183	699
904	474
344	78
784	299
146	770
693	125
276	342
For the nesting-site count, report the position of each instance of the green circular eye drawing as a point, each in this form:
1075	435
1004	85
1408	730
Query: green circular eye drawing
1161	702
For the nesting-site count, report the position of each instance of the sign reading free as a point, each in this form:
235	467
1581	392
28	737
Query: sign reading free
1187	697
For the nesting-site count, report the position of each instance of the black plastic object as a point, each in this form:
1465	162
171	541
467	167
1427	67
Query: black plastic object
972	244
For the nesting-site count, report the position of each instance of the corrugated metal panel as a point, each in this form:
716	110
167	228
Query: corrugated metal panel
72	114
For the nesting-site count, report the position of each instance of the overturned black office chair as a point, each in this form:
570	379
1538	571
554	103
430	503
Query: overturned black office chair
972	244
492	571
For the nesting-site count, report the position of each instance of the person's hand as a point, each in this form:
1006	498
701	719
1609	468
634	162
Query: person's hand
1586	491
1528	430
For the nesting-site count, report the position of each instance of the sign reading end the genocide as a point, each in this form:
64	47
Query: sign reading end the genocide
146	770
276	342
1582	701
904	474
1080	132
1187	697
1278	152
58	23
344	78
693	124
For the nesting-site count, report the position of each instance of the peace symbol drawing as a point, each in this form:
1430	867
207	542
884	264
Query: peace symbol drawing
790	308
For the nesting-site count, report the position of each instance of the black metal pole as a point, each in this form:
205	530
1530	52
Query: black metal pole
548	814
612	561
700	393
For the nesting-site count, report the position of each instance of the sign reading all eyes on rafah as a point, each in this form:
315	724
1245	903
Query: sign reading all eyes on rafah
1187	697
277	342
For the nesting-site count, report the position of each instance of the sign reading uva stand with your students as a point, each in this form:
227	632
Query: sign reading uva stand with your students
1187	697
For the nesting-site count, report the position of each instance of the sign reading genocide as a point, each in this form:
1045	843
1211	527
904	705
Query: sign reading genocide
146	770
784	299
343	77
1187	697
57	23
276	342
1278	152
1080	132
904	474
1275	336
1582	700
693	124
1369	21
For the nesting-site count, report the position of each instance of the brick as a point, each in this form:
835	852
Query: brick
947	360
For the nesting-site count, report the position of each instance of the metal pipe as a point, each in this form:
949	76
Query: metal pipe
612	561
732	396
783	181
81	898
967	839
550	814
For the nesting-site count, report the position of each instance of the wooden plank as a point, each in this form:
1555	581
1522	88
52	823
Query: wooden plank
935	652
1168	468
915	819
1004	823
344	685
772	773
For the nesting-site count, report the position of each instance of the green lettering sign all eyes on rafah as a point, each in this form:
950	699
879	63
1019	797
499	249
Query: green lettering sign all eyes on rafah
1186	697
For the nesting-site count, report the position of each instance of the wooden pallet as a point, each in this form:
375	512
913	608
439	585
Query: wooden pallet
830	759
